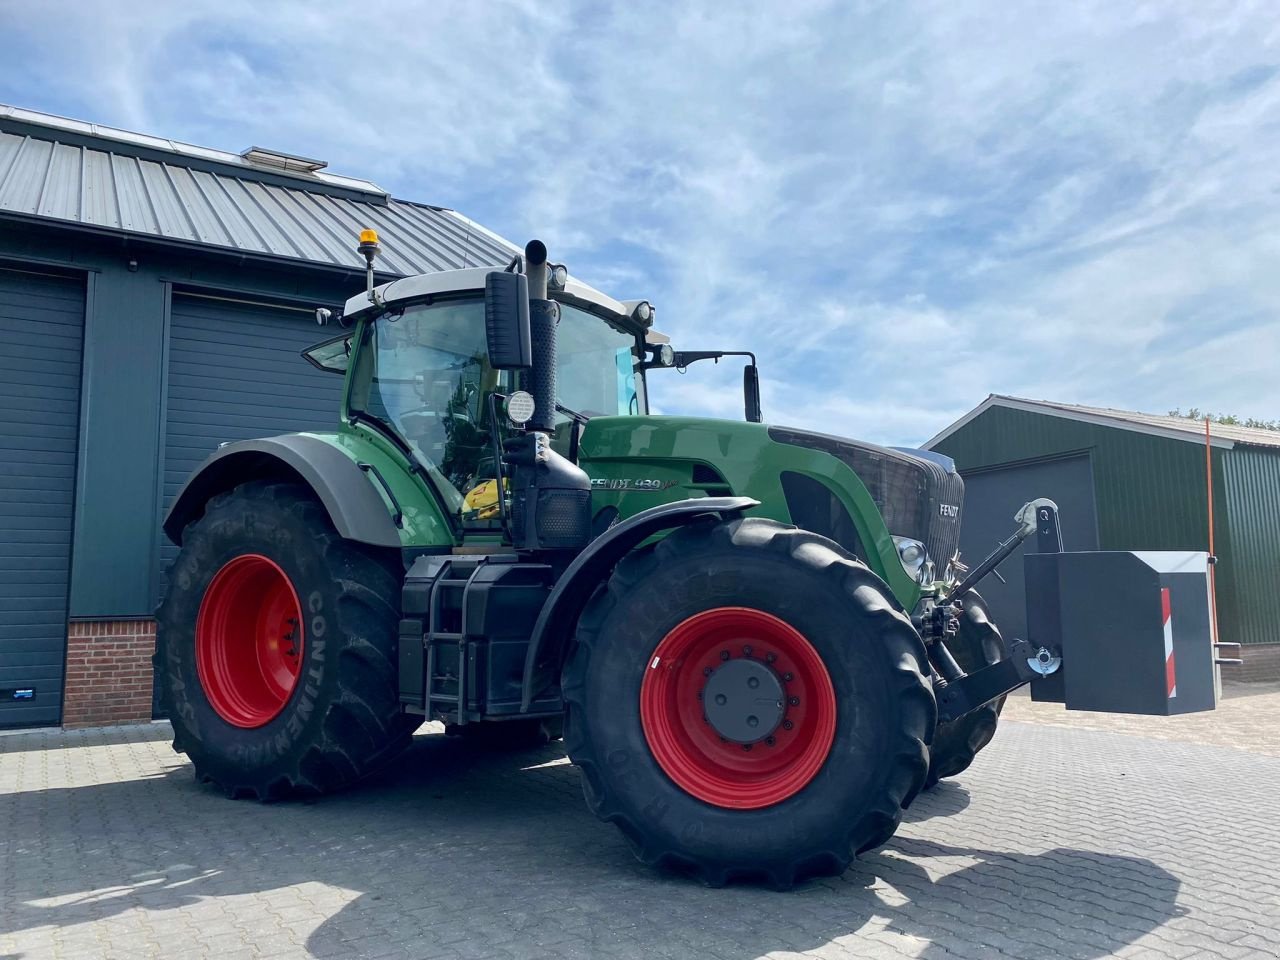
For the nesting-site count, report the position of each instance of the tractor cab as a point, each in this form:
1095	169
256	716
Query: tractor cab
418	369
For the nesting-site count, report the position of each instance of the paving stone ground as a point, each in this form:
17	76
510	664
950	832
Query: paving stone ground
1072	836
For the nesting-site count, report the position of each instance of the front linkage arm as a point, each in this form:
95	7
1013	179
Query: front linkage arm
1024	664
958	692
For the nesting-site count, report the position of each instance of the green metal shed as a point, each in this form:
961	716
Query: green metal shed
1129	481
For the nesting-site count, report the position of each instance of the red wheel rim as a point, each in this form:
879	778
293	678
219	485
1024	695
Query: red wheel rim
249	641
693	752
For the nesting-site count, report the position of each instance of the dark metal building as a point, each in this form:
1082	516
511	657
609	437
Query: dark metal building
1128	481
153	299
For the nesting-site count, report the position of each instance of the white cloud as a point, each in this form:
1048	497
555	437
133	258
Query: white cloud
901	208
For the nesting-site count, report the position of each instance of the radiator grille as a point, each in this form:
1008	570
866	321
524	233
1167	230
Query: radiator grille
914	495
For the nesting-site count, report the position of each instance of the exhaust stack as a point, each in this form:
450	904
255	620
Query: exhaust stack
544	315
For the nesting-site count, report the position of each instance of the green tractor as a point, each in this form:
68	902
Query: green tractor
757	642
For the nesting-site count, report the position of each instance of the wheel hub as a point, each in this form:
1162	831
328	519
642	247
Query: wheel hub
744	701
738	708
249	641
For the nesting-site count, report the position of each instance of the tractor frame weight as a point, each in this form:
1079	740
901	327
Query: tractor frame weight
758	642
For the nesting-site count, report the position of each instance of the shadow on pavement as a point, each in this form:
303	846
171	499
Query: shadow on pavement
462	853
945	799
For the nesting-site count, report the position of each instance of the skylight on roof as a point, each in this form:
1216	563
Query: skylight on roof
264	157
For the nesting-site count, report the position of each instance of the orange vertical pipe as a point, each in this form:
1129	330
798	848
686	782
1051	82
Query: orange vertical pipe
1213	584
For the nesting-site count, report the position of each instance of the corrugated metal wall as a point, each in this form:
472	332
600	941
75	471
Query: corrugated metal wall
235	374
1150	494
1253	516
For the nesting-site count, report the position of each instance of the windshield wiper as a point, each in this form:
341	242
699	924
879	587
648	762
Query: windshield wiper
573	414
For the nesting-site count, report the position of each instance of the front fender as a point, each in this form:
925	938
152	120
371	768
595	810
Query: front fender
554	627
355	507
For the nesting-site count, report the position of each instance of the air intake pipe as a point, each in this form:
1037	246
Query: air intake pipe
551	497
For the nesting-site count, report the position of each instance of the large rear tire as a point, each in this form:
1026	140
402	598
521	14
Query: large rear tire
276	647
977	644
805	641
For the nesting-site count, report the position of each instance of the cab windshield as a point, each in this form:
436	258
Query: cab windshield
423	372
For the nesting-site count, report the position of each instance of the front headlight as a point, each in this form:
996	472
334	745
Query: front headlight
915	559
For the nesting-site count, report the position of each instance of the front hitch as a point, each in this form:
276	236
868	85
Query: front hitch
1111	631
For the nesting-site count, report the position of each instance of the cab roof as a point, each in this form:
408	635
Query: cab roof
422	285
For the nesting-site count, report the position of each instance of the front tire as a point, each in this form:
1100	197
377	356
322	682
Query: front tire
842	706
276	647
977	644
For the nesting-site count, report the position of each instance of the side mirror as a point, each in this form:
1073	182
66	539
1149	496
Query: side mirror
751	392
506	321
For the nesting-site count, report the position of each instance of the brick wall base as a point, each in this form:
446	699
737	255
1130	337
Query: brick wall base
1261	663
109	675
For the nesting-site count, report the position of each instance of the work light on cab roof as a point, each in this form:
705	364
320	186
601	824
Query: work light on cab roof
368	248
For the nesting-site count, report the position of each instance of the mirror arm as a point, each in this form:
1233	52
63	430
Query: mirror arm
686	357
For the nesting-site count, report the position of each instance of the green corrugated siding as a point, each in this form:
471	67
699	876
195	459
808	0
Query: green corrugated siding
1150	495
1253	516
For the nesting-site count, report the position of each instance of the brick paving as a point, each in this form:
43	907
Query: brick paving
1247	718
1072	836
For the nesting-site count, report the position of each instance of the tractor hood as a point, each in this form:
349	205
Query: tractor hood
858	494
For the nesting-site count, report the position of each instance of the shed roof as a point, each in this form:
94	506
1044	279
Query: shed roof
113	181
1175	428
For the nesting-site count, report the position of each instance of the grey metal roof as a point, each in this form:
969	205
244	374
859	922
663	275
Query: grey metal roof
187	153
1176	428
121	183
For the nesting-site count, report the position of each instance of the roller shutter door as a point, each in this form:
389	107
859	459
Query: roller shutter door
992	497
41	328
235	374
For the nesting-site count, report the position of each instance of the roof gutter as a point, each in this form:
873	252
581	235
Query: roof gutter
155	241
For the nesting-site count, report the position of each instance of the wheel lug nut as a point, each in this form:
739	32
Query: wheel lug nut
787	725
770	741
724	654
707	671
746	746
787	678
746	651
794	701
770	657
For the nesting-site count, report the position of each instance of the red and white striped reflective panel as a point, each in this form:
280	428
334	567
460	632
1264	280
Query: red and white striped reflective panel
1170	679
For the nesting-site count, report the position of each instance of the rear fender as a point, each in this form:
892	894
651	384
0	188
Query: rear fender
357	510
553	631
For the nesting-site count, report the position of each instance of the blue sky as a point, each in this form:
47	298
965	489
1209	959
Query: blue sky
902	207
